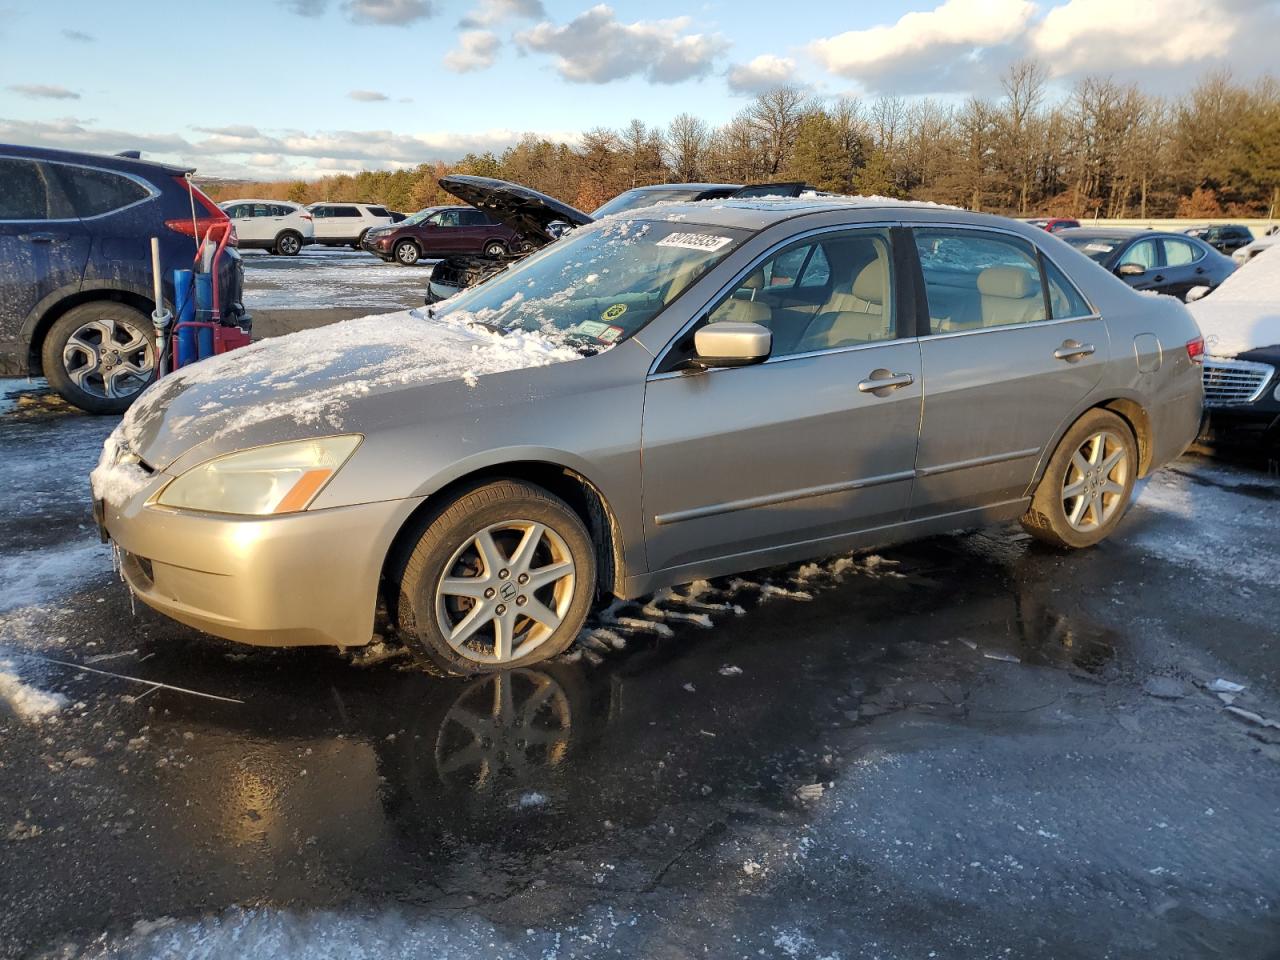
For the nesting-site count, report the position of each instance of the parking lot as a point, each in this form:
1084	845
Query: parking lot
971	746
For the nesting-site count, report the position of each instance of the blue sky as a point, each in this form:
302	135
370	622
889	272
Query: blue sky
310	86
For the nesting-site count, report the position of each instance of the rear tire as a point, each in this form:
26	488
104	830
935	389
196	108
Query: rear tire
407	253
288	244
495	250
502	577
1087	485
99	356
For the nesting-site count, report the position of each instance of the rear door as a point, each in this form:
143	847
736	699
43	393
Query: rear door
1004	363
43	248
799	449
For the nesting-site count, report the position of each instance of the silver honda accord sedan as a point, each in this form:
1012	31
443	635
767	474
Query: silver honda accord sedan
685	392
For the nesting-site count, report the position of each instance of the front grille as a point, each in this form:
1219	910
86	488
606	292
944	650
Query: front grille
1229	383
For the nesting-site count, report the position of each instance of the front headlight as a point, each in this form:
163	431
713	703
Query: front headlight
277	478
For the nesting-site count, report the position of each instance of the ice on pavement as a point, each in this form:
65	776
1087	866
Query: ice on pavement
1244	312
24	700
33	577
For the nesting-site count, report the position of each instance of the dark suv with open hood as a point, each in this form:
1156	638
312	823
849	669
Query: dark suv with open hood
441	232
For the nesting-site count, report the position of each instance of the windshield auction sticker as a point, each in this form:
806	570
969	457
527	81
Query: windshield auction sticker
614	312
694	241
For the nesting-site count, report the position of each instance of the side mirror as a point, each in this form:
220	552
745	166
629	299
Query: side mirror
732	344
1130	270
1196	293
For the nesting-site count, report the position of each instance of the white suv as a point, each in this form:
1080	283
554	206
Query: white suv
345	224
274	225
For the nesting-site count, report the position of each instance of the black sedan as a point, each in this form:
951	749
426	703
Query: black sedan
1171	263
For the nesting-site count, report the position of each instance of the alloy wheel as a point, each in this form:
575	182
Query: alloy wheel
109	359
505	591
289	245
1093	488
495	250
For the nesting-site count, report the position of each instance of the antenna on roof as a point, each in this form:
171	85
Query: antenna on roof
130	154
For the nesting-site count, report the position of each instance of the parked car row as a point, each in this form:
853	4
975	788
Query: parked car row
285	228
1169	263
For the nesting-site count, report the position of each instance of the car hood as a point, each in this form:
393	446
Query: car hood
316	383
527	212
1244	312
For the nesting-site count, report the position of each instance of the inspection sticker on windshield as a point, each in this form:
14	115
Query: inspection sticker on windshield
694	241
592	328
1099	247
609	334
614	312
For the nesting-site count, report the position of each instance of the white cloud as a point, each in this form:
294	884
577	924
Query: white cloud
1086	35
762	73
488	13
924	45
78	35
395	13
44	91
595	47
476	50
367	96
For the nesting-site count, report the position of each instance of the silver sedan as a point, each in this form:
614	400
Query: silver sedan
685	392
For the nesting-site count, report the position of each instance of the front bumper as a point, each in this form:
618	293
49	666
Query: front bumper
303	579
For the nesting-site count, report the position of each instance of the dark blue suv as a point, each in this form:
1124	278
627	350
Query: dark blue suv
75	267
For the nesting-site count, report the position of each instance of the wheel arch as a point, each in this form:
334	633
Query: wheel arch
1128	408
582	495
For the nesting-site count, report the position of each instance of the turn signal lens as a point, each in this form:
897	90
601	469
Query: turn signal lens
277	478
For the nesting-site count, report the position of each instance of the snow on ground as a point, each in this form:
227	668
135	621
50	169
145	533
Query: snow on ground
1244	312
321	278
27	702
32	577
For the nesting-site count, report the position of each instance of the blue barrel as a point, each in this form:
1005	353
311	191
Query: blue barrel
204	341
204	296
184	303
187	348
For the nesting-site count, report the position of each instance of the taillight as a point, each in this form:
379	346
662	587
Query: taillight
305	216
211	221
1195	350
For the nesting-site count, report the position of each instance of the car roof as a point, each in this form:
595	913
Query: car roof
757	213
105	160
223	203
684	186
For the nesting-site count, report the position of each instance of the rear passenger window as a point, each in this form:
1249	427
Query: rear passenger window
474	218
344	212
1064	299
95	192
1179	252
852	306
976	280
25	195
379	211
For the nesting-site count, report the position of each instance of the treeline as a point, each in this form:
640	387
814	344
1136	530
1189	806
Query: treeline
1107	149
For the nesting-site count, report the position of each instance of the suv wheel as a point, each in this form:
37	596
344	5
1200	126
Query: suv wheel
495	250
288	243
100	356
407	252
503	577
1086	487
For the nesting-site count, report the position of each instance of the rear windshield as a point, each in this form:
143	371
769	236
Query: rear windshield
600	284
643	198
1095	248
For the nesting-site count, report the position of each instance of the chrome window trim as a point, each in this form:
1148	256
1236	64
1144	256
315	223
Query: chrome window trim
982	228
152	192
1028	325
830	351
730	286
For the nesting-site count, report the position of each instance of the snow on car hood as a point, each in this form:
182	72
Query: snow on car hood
1244	312
312	378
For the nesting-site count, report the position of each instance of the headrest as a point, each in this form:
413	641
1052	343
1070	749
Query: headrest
870	284
1008	283
753	282
744	311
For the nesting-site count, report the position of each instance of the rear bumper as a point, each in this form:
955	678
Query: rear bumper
304	579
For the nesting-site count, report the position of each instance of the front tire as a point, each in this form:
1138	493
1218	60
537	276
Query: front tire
495	250
1087	485
100	356
407	253
503	577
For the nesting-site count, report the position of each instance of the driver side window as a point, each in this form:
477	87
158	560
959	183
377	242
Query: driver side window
447	218
822	294
1143	253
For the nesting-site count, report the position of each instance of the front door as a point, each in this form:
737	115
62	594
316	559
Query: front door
1003	363
802	448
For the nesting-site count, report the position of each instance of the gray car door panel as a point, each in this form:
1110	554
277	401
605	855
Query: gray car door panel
736	460
993	400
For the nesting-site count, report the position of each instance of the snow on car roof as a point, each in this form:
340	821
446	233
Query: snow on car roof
1244	312
756	213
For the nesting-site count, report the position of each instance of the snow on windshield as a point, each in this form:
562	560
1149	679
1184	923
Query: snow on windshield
313	375
1244	312
600	285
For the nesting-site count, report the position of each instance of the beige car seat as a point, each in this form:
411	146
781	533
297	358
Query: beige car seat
1009	295
853	316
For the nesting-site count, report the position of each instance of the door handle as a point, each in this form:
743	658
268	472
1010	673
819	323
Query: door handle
883	382
1199	269
1072	351
1158	278
44	237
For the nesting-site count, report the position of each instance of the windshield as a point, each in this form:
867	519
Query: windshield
600	284
643	198
418	217
1095	248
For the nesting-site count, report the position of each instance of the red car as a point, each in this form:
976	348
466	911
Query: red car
441	232
1053	224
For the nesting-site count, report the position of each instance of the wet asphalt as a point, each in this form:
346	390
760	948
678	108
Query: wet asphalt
969	746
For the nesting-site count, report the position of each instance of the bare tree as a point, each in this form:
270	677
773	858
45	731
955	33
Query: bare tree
775	115
685	145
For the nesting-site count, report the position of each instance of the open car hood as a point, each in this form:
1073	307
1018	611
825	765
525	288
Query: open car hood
527	212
